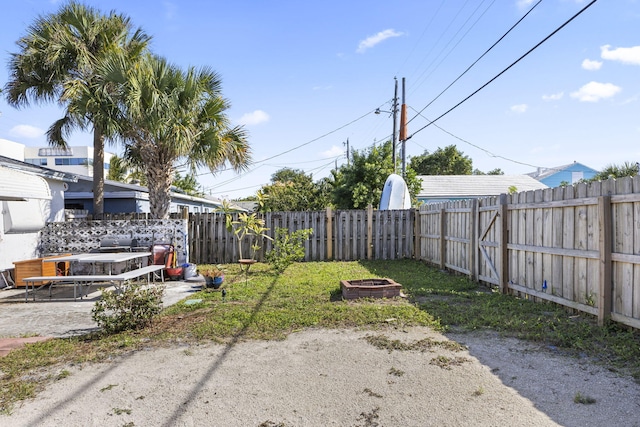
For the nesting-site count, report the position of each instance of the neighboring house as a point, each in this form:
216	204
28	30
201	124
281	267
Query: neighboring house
442	188
30	196
131	198
571	174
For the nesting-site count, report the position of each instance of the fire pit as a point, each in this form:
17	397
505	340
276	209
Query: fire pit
372	288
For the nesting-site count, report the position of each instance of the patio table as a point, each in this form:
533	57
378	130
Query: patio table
93	258
104	258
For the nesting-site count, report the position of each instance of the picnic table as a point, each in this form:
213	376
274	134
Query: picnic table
96	258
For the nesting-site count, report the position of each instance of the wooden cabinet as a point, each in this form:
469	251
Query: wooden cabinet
38	267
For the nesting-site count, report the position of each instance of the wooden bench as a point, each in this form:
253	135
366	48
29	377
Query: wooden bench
148	270
116	279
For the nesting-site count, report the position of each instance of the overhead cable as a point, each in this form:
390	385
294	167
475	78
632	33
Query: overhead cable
479	58
506	69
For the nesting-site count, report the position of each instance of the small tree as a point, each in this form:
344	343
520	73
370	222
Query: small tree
287	248
251	227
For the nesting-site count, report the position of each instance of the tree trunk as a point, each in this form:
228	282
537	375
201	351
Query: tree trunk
159	171
98	172
159	184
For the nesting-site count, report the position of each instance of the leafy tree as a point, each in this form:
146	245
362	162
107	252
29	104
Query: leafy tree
58	61
292	190
443	161
287	248
496	171
187	183
360	183
172	115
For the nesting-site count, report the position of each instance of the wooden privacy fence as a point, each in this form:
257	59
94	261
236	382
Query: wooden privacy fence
578	246
343	235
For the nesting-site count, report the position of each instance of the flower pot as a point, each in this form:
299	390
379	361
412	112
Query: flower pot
174	273
213	282
217	281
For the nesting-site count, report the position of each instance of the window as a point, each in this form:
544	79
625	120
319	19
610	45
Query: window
576	176
73	161
38	162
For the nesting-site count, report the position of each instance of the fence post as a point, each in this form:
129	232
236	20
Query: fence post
443	240
329	234
503	241
417	231
369	232
605	243
473	241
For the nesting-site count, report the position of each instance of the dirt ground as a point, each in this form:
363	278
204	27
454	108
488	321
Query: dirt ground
321	377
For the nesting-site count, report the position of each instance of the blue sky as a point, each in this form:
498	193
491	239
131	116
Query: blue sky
306	76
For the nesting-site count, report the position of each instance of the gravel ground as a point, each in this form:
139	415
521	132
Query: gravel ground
321	377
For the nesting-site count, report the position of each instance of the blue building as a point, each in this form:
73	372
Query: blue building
571	174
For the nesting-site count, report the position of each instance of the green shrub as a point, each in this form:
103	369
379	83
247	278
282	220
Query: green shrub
287	248
130	308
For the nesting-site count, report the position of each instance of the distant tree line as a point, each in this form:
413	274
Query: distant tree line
359	183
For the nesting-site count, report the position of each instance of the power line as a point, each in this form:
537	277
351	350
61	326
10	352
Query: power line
474	145
506	69
456	44
480	57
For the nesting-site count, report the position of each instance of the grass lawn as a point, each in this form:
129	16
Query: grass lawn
264	305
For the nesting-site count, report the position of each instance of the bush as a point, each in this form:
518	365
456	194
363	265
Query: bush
130	308
287	248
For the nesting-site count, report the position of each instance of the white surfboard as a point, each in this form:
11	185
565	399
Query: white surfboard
395	194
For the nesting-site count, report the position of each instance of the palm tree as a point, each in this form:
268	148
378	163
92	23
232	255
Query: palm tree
57	61
117	169
174	115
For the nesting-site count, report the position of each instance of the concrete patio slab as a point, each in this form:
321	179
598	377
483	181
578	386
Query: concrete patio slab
61	316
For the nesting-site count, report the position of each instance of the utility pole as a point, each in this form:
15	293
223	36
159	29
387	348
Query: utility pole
403	132
395	117
348	155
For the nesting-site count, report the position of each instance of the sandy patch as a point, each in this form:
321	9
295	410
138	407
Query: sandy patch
336	378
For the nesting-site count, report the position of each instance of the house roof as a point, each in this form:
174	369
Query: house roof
543	173
122	189
472	186
41	171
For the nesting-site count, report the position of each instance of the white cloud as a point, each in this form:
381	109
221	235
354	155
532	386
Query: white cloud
590	65
522	4
334	151
371	41
594	92
626	55
553	96
254	118
26	131
520	108
169	10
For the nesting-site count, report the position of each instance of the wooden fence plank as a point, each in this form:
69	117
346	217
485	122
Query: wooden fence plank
605	236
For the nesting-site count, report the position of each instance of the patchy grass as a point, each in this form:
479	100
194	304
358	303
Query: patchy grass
265	305
582	399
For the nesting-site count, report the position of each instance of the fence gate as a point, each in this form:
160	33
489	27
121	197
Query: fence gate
492	218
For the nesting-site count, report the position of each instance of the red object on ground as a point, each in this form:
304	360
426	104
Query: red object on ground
8	344
162	254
